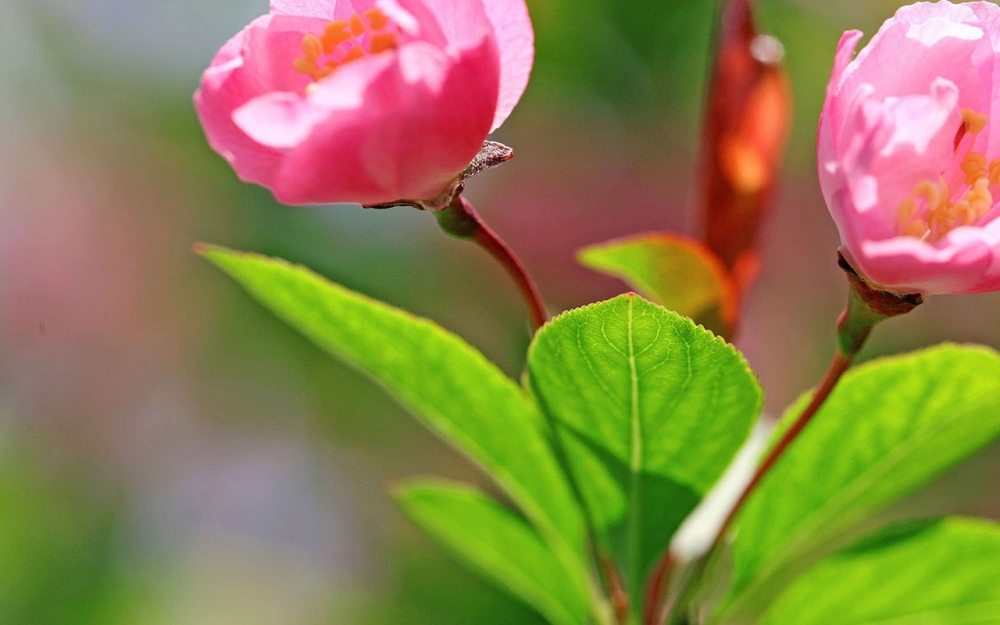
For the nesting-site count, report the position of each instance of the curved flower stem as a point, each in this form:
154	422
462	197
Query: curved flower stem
866	307
658	582
616	589
838	366
460	220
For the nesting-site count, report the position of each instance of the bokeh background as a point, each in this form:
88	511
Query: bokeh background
170	454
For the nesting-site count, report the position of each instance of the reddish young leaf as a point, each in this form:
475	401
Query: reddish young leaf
747	119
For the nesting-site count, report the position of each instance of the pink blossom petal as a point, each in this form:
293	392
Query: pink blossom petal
398	124
462	23
415	19
516	40
907	264
906	57
257	60
988	16
899	143
278	119
325	9
831	115
408	141
914	134
310	8
891	120
921	123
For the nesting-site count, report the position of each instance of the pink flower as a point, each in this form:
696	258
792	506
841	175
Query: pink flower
909	150
368	101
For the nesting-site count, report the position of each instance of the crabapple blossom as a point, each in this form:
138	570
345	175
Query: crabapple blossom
365	101
909	150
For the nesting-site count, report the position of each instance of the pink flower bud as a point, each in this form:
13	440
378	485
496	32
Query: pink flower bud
367	101
909	150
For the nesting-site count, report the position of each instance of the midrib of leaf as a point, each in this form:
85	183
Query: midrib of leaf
853	490
969	614
635	466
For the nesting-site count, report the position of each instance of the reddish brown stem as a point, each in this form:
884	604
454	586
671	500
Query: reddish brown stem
613	581
489	241
866	307
837	368
658	582
460	220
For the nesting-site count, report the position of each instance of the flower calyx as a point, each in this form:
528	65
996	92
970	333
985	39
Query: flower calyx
866	307
492	154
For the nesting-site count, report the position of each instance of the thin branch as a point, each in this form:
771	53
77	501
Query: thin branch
460	220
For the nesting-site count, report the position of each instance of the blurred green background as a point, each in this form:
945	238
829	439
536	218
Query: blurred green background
170	454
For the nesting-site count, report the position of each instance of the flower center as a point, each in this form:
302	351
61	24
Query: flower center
344	41
932	211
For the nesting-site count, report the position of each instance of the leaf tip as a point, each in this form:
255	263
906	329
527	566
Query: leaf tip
586	256
208	250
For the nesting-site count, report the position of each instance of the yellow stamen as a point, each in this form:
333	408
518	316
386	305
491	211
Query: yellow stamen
974	166
376	19
312	46
938	222
907	209
915	228
343	41
941	214
382	42
974	122
980	200
327	69
358	27
353	54
305	66
965	214
334	34
934	194
994	171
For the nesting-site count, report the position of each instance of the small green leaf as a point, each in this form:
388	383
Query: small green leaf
935	573
447	384
499	543
649	410
679	273
889	427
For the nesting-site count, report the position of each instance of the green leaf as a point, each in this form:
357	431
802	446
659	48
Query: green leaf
447	384
889	427
934	573
677	272
649	410
497	542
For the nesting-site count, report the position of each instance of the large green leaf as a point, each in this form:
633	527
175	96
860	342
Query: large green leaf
442	380
499	543
649	410
672	270
889	427
932	573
